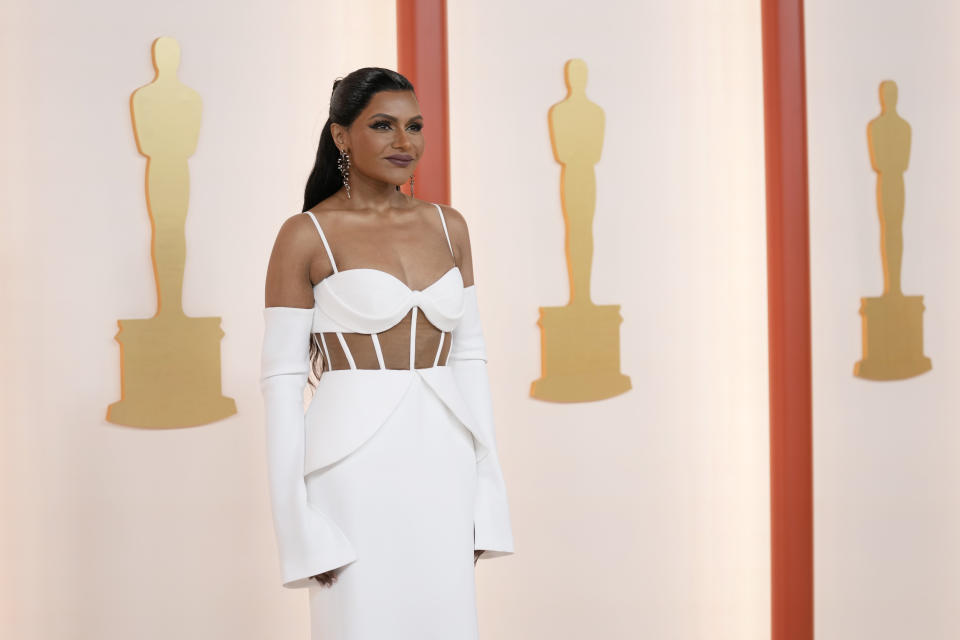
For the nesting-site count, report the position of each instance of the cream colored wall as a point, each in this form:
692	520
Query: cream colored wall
645	515
642	515
111	532
886	479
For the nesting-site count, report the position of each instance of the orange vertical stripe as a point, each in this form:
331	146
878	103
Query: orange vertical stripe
422	58
788	277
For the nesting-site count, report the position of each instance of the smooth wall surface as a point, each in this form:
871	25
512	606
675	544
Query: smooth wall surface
645	515
886	481
111	532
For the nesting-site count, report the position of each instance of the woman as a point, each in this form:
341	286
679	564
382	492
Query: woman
389	489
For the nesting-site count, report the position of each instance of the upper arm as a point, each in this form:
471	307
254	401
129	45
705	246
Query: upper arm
288	273
460	239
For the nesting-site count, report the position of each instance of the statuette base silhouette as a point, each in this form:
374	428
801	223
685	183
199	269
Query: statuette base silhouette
892	338
170	373
580	347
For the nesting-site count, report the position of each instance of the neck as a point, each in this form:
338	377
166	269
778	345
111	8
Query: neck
374	195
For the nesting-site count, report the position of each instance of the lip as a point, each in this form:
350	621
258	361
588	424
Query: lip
399	161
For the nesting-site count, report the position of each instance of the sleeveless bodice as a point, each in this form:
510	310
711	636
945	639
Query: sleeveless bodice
371	300
365	300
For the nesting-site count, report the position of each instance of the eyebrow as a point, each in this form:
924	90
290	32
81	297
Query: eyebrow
390	117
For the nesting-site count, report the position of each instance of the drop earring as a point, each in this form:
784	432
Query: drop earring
411	186
343	163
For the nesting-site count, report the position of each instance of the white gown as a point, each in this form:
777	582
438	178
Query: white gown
392	474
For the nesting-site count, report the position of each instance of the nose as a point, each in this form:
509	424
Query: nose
402	141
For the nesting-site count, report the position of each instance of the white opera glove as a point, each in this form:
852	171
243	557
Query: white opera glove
468	362
308	541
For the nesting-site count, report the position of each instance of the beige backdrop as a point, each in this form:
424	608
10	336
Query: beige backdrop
886	479
642	516
110	532
646	515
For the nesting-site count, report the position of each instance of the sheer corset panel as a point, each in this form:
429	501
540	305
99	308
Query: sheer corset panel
388	349
369	319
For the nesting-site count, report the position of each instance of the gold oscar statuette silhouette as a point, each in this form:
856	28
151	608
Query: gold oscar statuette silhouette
579	342
892	323
170	363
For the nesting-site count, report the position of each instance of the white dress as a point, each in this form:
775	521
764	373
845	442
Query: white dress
392	474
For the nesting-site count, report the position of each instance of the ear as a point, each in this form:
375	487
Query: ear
340	136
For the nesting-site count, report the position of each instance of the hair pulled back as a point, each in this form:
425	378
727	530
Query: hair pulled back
350	95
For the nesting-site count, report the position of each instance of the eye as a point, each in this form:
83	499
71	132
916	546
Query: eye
376	125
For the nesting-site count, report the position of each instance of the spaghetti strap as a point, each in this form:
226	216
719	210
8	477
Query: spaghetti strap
324	238
444	223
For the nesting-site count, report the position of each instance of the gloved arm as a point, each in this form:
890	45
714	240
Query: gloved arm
308	541
468	361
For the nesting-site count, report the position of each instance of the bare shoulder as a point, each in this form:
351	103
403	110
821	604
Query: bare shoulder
460	239
296	232
288	273
457	226
451	214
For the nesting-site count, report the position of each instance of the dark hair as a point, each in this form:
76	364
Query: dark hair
350	96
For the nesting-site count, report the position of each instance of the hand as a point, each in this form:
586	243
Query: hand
327	578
